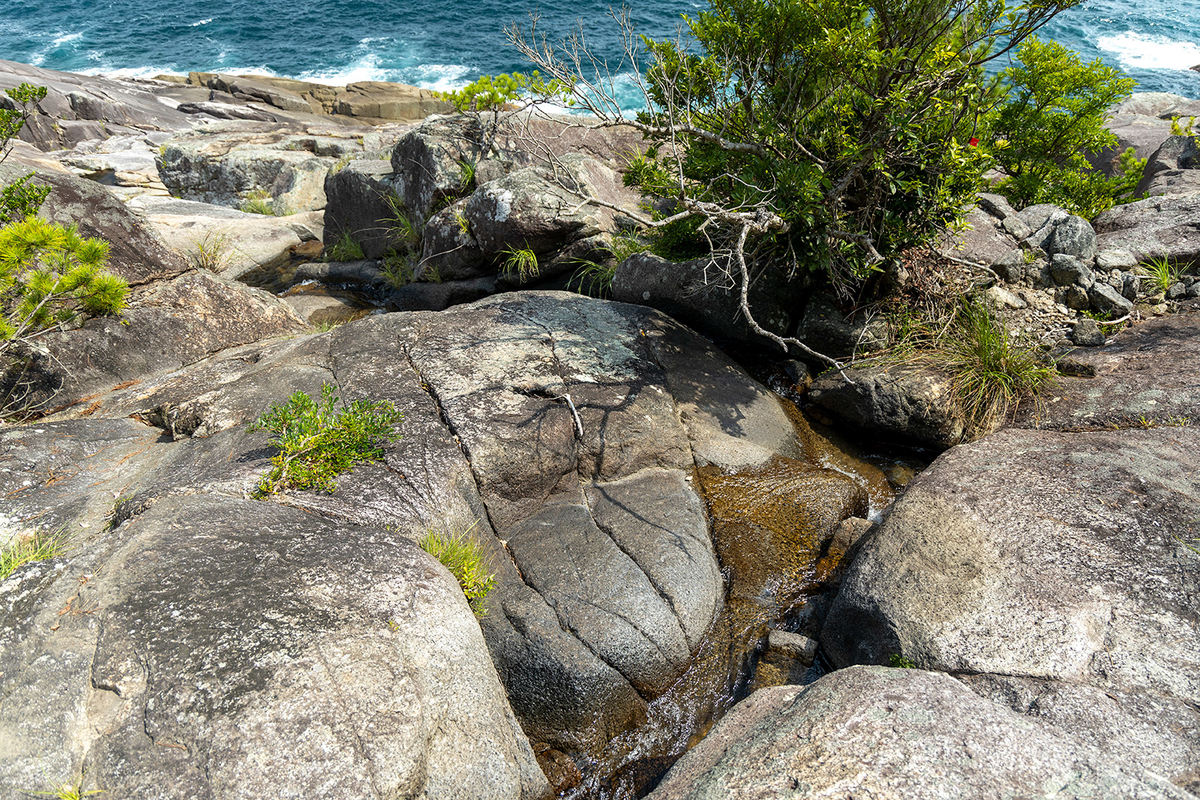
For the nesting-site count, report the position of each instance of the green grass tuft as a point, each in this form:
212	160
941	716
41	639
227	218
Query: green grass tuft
467	562
991	370
345	249
317	442
519	263
1160	272
40	546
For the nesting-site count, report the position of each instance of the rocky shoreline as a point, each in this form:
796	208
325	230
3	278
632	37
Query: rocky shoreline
667	533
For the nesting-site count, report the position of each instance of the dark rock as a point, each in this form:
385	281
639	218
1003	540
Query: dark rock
698	294
1177	291
876	732
996	205
225	111
786	660
1131	285
902	403
427	163
991	563
356	203
1068	270
1077	299
449	247
827	330
1087	333
1107	300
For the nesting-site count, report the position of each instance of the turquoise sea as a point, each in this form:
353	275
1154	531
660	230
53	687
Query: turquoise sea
443	45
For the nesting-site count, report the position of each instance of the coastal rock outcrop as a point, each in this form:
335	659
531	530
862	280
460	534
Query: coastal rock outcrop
870	731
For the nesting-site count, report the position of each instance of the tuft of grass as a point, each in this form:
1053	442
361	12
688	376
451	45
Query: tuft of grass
598	277
259	202
991	371
467	562
345	249
213	251
627	244
900	662
40	546
318	441
398	269
466	176
401	224
519	262
1160	272
68	790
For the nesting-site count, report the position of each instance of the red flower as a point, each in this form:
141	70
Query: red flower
974	142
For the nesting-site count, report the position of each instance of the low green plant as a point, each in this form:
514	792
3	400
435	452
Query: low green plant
20	199
259	202
68	790
520	263
318	441
398	269
213	251
495	92
49	275
345	249
467	562
991	371
466	176
625	245
1162	274
464	224
900	662
596	276
38	546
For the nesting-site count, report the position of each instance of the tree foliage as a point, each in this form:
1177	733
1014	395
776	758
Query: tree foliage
49	275
20	198
1053	114
828	133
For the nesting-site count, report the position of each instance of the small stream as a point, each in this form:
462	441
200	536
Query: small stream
773	533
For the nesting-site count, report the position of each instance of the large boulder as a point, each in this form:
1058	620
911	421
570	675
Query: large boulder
226	647
227	165
135	252
703	294
224	240
908	403
1157	227
1062	557
874	732
1173	169
166	325
1143	132
357	205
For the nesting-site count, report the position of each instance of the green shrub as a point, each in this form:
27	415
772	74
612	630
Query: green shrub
991	371
1054	115
466	561
40	546
317	441
49	275
494	92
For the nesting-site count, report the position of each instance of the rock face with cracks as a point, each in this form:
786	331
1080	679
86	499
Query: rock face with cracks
563	433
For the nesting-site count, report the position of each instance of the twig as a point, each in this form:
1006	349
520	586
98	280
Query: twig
574	413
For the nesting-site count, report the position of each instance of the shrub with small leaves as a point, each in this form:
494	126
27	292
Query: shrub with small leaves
318	441
49	275
466	561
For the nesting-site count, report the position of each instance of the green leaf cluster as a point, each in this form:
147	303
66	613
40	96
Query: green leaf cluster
318	441
466	561
1053	114
852	120
49	274
494	92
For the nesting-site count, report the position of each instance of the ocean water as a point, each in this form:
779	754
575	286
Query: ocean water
443	45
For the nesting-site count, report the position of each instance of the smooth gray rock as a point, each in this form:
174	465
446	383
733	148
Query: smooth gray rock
1157	227
200	634
1144	132
982	241
875	732
1068	270
1034	554
1173	169
1072	236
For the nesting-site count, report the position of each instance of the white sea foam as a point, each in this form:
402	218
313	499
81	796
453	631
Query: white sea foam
364	69
1149	51
64	38
438	77
198	23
